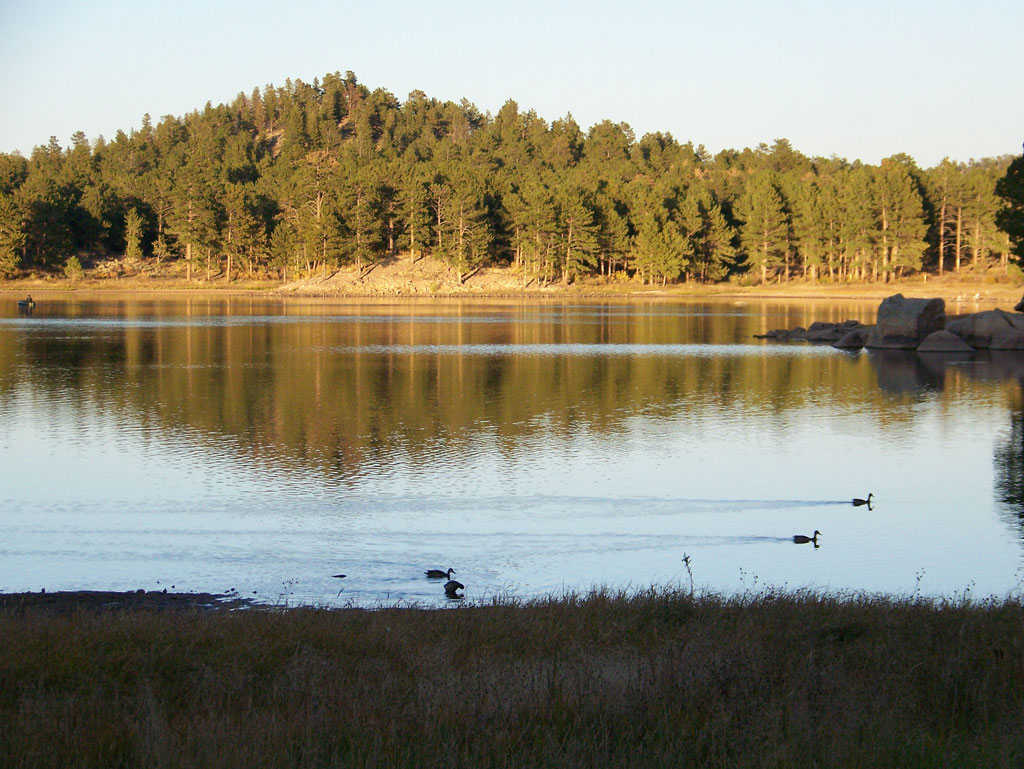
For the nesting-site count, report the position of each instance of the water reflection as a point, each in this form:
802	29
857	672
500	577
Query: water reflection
906	371
346	389
1009	467
533	446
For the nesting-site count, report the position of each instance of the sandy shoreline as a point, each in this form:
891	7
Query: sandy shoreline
427	279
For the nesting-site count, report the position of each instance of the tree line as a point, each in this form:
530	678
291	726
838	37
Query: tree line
306	178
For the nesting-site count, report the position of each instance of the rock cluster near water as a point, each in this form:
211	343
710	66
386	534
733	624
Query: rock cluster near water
818	332
917	324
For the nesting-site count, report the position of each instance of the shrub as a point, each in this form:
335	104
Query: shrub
1015	273
73	268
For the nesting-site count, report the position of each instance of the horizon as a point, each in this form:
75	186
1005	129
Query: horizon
832	81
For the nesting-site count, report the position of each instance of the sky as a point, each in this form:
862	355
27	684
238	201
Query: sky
859	80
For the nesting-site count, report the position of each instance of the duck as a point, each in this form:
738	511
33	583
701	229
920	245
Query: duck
451	586
803	539
438	574
857	502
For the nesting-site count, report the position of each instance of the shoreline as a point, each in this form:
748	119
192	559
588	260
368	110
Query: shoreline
951	293
427	279
100	602
97	601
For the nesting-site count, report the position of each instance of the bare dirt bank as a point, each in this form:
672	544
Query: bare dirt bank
428	278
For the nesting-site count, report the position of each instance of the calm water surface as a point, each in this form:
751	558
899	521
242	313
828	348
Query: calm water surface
263	445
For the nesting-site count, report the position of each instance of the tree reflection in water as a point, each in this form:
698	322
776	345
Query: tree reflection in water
1009	467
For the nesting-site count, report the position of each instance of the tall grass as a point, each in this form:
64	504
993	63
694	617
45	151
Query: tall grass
658	678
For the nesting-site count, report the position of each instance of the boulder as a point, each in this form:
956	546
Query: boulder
820	331
990	330
1008	340
944	341
782	334
903	323
854	339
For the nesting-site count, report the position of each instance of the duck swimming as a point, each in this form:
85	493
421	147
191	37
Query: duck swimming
857	502
451	586
803	539
438	574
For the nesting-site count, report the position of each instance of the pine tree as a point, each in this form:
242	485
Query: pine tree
941	182
466	235
857	226
243	236
414	212
765	230
1010	217
286	249
578	234
980	211
132	235
45	205
315	210
647	247
360	203
809	232
900	216
612	234
829	213
193	217
12	239
534	220
709	235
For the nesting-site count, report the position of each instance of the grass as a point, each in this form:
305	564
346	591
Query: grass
658	678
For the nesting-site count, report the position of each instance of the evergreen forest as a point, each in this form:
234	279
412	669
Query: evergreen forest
308	178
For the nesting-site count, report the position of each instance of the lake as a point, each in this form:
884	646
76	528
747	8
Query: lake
262	445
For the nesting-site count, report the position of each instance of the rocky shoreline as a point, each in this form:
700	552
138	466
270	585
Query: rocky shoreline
917	324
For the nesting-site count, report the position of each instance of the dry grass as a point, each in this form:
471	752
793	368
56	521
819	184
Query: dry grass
652	679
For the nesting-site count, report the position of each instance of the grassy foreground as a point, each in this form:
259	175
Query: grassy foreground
655	679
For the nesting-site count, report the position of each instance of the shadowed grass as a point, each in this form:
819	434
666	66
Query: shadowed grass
651	679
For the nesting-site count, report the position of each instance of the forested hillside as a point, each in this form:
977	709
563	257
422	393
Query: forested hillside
310	177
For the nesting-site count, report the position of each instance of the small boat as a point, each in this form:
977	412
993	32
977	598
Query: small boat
27	302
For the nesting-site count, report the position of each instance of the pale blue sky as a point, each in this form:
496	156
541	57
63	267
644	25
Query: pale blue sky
855	79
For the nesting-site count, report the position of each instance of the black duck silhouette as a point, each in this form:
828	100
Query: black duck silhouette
858	502
803	539
438	574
